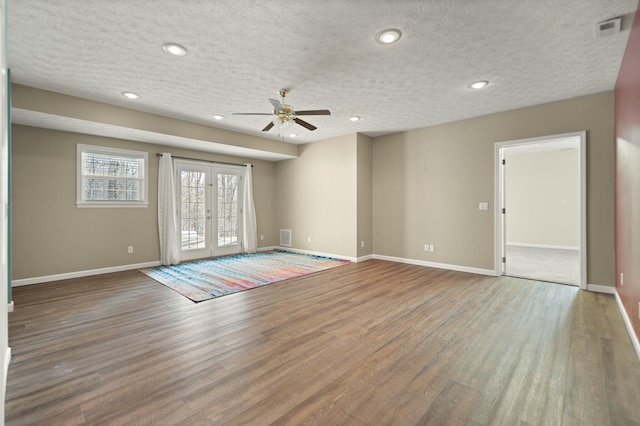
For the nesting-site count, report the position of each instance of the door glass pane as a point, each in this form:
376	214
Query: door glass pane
192	186
227	209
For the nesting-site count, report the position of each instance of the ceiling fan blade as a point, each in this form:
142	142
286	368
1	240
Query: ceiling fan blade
268	127
305	124
276	104
251	113
314	112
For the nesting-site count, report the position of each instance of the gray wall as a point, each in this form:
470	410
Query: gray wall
317	196
427	183
52	236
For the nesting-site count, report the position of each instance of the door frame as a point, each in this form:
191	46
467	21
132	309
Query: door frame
499	198
228	249
195	166
211	170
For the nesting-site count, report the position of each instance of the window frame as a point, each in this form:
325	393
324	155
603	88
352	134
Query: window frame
105	150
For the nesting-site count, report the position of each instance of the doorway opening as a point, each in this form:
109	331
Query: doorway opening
209	199
541	208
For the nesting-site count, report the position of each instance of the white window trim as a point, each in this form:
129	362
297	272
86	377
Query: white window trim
80	203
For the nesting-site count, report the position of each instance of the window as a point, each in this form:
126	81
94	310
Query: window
111	177
193	202
228	209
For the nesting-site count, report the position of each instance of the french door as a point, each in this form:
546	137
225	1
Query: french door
209	201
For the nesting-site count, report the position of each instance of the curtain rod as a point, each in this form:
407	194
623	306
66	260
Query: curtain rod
158	154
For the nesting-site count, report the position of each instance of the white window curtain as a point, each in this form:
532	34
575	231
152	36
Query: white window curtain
167	220
250	234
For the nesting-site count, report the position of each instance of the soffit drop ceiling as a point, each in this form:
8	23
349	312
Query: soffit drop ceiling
241	52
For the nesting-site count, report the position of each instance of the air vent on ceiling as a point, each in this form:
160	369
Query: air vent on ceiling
285	237
610	27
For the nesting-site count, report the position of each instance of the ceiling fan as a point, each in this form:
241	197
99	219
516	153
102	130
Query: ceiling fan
285	115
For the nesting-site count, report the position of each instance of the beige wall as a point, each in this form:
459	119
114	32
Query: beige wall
52	236
427	183
316	196
543	198
365	194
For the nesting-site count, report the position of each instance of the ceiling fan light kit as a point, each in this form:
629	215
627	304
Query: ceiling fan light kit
282	122
285	115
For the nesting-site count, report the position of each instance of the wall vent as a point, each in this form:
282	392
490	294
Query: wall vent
285	237
610	27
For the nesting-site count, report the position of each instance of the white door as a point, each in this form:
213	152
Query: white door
209	210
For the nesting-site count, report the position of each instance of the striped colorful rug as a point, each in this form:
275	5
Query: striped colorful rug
209	278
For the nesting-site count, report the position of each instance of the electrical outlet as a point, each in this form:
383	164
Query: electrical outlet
130	249
426	247
309	240
261	237
362	243
621	279
432	247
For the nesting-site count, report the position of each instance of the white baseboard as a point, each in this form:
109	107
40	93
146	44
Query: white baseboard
459	268
79	274
597	288
547	246
316	253
363	258
10	307
627	323
7	360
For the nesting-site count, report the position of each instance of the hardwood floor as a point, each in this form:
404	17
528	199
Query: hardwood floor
368	343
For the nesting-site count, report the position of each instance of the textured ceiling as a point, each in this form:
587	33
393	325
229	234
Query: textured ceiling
241	52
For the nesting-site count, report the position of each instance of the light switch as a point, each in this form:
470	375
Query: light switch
483	206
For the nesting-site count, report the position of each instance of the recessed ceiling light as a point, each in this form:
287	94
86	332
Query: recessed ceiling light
354	118
389	36
293	135
479	84
218	116
174	49
130	95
